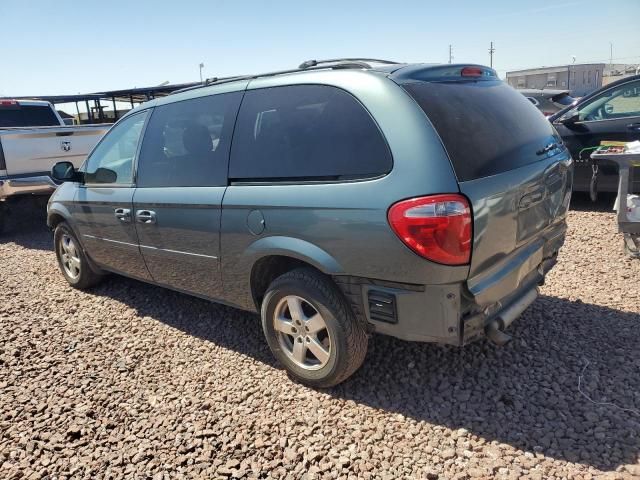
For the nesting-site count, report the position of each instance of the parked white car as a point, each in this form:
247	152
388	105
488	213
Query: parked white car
33	137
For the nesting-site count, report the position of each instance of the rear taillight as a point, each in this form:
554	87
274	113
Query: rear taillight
8	103
437	227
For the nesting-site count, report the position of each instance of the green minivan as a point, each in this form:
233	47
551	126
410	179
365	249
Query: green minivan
338	199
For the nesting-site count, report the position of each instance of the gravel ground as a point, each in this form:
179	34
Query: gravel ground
133	381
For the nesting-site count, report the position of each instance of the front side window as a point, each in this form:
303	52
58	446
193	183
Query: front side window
186	144
112	159
306	132
619	102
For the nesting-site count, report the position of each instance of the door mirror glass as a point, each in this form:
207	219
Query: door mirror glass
64	172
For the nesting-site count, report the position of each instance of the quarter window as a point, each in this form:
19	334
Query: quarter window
186	144
306	132
112	159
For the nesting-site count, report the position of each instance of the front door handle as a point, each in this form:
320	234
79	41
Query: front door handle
123	214
634	127
146	216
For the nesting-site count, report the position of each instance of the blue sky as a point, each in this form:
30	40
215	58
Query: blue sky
64	47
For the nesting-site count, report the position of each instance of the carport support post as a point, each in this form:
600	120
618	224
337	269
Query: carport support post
115	109
89	114
99	108
79	117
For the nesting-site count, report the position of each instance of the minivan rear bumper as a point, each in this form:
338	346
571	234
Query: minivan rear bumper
457	313
509	273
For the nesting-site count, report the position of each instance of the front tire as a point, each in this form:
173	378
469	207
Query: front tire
632	245
72	260
311	329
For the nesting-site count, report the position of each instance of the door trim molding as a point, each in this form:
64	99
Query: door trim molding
213	257
168	250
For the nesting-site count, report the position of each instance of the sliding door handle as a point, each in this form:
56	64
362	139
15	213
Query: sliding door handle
123	214
146	216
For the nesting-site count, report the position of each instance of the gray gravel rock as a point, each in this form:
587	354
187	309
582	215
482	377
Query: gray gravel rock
133	381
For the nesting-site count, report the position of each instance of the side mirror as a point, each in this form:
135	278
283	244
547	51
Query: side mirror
570	119
64	172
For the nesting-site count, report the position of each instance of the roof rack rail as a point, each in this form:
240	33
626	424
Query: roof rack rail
337	63
364	62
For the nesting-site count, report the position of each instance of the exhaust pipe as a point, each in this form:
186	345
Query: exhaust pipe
495	329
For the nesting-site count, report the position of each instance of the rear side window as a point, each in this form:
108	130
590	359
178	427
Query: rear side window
487	127
28	116
186	144
306	132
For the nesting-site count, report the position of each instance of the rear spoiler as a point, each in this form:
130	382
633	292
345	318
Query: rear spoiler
444	73
558	96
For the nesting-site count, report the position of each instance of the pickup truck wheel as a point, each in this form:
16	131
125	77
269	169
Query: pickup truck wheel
632	245
311	329
72	260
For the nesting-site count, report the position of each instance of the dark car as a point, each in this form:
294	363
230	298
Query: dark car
337	200
611	113
548	101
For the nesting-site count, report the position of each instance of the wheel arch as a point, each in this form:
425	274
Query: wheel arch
57	213
275	256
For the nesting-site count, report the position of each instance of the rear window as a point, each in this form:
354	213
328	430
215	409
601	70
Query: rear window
306	132
28	116
487	127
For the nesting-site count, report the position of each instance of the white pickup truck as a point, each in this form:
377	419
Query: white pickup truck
33	137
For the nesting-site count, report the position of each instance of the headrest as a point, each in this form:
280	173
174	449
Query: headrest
197	140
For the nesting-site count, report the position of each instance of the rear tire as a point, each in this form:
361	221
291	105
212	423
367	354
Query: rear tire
72	260
311	329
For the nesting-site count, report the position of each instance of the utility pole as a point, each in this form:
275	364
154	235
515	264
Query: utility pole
450	54
491	50
610	55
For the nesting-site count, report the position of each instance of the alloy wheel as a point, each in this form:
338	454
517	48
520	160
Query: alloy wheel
302	332
69	256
